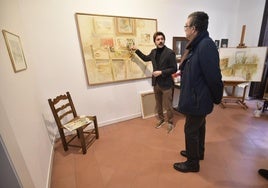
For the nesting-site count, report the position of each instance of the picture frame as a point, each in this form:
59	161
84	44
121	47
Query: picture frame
125	26
106	43
224	43
15	51
179	46
242	64
217	43
148	104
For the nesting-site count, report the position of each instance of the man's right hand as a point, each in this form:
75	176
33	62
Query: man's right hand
133	48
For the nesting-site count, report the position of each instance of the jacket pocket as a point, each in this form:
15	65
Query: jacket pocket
195	98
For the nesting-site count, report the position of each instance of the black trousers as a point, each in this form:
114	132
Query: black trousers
195	131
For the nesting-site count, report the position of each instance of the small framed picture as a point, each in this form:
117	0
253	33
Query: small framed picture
224	43
179	46
217	43
15	51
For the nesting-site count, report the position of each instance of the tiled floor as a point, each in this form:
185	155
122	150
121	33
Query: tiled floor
133	154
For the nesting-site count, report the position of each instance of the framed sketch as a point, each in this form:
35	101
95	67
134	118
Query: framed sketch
106	43
125	26
15	51
217	43
179	45
224	43
242	64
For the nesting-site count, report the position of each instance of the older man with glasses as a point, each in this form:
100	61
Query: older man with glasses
201	88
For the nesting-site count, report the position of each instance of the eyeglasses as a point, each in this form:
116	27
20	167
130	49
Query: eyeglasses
187	26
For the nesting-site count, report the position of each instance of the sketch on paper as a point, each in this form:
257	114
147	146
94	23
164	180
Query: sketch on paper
242	64
106	41
125	25
15	51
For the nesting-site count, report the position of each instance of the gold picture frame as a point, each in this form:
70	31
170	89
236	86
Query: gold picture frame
106	43
15	51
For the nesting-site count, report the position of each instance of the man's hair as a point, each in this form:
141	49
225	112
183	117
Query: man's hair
199	20
157	34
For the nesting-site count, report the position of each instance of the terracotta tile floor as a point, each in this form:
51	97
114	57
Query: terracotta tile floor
133	154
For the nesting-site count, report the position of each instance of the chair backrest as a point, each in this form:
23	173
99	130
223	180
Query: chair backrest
62	108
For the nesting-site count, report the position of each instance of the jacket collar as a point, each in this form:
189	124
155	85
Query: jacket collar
192	44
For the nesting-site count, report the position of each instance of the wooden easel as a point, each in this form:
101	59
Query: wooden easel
239	100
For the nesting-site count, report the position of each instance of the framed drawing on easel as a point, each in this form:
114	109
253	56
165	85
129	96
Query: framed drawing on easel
239	66
242	64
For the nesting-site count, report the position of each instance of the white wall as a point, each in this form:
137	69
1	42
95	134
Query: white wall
52	51
22	127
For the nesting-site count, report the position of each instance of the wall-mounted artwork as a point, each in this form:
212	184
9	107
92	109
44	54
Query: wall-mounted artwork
224	43
15	51
217	43
106	42
242	64
179	46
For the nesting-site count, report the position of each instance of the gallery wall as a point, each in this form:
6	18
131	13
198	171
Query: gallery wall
51	47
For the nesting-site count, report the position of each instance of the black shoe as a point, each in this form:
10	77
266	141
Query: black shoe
186	167
184	154
263	173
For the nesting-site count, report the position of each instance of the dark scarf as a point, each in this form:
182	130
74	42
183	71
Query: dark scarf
158	54
191	45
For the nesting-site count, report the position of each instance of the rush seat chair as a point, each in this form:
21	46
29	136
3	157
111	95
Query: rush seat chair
73	128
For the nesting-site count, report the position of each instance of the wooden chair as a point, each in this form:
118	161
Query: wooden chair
67	120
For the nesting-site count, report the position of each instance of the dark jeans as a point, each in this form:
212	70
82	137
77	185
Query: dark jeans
163	99
195	131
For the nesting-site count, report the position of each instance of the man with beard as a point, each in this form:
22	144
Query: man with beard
164	65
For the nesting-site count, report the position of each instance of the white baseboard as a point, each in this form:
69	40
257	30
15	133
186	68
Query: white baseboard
104	123
51	159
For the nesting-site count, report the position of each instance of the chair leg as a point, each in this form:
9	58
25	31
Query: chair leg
82	140
265	106
77	132
63	140
96	127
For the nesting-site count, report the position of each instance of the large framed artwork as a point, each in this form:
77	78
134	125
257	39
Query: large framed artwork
15	51
106	43
242	64
179	46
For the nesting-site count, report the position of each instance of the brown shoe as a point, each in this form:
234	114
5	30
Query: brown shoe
170	128
160	124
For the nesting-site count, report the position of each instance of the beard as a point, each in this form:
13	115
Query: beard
160	45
